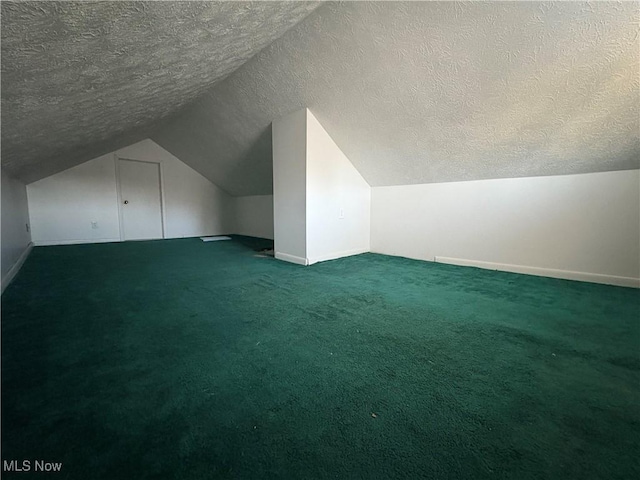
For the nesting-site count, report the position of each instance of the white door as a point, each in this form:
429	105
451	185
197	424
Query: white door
140	200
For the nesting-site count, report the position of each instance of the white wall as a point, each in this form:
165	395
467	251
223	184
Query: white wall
63	206
338	199
16	240
321	202
194	206
583	227
289	181
254	216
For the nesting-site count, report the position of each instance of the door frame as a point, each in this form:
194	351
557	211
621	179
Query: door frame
163	220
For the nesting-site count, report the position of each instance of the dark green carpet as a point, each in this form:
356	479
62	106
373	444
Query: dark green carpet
183	359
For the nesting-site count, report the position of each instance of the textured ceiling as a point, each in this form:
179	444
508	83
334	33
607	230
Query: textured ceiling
419	92
80	79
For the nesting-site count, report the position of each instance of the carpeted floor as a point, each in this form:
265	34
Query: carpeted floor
186	360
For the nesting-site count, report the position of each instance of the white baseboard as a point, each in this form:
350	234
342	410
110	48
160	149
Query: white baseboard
254	234
545	272
13	271
333	256
291	258
323	258
48	243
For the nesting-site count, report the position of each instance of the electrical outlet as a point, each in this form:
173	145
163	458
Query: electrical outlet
341	214
94	225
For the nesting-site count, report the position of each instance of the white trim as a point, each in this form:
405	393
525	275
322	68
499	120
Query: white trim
49	243
292	258
163	208
13	271
333	256
118	197
545	272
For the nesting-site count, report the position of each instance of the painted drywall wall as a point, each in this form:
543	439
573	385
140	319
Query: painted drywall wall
583	227
62	207
338	199
16	238
253	216
289	185
321	202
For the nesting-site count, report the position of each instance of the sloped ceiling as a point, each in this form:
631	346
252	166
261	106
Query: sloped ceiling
80	79
419	92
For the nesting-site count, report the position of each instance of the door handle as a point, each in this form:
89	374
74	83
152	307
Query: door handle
126	202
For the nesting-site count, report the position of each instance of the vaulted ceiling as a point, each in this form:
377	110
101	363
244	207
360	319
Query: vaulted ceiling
419	92
80	79
412	92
